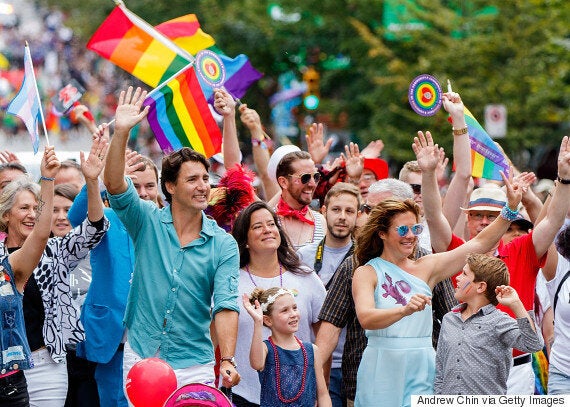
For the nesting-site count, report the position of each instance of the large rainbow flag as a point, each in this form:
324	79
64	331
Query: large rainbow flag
179	116
185	32
154	54
486	158
135	46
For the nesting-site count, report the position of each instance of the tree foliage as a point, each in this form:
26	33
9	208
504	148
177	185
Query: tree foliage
509	52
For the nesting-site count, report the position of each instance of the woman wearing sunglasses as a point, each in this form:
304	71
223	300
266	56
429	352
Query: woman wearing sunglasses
392	296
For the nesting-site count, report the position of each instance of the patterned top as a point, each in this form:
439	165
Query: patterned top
474	356
61	255
291	362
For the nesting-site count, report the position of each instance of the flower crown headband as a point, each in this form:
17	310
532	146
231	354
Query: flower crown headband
271	299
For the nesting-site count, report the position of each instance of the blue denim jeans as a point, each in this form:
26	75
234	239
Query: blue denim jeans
558	382
335	388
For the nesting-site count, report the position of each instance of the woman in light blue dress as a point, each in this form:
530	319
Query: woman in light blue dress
392	296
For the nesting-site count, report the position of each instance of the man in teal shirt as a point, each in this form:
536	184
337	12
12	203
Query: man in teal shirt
186	267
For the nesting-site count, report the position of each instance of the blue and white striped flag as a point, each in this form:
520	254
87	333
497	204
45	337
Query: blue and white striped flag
26	104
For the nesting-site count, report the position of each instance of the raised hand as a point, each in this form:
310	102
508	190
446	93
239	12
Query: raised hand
254	310
506	295
373	149
315	142
133	163
224	102
8	157
50	163
454	106
93	165
129	113
417	303
249	117
564	159
514	189
427	153
353	161
441	165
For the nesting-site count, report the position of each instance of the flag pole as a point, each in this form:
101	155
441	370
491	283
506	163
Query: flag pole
162	85
37	93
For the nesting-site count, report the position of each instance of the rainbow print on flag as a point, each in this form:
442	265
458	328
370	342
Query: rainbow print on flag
185	32
240	73
487	160
180	117
135	46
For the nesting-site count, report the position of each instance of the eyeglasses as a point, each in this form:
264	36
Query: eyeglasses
417	188
305	178
365	208
480	216
416	229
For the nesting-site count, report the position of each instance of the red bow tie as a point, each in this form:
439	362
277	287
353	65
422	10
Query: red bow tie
283	209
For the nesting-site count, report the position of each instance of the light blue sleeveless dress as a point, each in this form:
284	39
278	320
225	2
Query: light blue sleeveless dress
399	360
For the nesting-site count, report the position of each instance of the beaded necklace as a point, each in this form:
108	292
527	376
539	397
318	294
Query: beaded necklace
278	371
280	275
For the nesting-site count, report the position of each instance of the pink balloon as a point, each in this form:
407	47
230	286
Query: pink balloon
150	382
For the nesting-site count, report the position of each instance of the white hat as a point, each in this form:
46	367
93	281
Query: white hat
489	197
276	158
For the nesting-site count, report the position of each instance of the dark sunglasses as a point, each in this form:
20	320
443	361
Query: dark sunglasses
417	188
416	229
305	178
365	208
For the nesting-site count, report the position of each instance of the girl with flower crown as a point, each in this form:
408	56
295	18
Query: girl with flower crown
287	367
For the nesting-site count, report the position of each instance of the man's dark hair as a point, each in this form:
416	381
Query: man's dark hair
171	167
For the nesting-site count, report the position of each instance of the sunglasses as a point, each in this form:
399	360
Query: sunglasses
417	188
479	217
416	229
365	208
305	178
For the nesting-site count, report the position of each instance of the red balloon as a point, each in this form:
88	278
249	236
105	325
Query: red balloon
150	382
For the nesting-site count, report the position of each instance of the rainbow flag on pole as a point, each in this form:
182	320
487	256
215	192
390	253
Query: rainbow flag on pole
179	116
135	46
486	158
185	32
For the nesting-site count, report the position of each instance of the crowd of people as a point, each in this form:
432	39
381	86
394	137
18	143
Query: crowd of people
328	283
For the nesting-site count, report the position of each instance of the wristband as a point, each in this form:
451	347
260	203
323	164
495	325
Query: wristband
459	132
257	142
563	181
42	178
508	214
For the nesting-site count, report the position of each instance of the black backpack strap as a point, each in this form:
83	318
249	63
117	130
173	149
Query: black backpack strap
558	290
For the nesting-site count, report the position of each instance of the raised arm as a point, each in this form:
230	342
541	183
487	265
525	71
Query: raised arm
226	106
545	232
258	350
459	185
91	168
127	115
427	154
447	263
25	260
250	118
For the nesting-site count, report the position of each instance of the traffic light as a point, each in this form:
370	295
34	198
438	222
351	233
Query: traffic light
312	95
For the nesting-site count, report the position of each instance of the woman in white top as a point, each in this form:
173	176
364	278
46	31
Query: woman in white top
267	259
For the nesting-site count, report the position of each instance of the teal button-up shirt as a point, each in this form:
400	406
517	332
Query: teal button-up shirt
175	290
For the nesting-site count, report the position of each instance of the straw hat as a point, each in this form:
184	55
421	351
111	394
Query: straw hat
489	197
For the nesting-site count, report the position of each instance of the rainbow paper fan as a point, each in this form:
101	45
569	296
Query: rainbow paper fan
424	95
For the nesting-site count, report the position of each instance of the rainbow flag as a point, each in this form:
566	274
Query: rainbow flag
486	158
180	117
135	46
185	32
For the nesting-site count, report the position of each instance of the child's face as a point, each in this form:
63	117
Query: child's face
284	317
465	288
